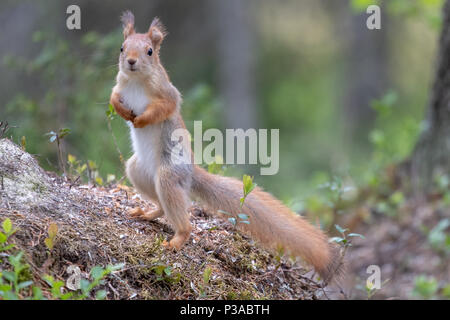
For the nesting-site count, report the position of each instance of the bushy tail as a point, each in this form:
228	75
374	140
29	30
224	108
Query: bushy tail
271	223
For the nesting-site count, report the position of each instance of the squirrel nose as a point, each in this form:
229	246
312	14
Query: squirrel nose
131	61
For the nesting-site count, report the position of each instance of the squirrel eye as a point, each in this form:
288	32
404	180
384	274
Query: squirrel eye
150	51
121	49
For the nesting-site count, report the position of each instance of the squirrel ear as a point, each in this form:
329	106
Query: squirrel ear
157	32
127	19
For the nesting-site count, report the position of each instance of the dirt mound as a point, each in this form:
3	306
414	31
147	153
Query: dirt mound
94	230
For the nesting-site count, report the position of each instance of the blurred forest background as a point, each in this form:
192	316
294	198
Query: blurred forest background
349	101
346	99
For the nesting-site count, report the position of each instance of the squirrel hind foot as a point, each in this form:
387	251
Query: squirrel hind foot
138	213
177	242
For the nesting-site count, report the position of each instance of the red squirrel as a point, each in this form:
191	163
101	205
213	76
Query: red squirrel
150	103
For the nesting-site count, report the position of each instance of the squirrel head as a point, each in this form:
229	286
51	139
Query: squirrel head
139	53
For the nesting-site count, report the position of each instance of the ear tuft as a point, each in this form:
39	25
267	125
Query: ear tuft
127	19
157	32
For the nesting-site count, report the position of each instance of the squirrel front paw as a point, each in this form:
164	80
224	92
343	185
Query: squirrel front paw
126	113
139	122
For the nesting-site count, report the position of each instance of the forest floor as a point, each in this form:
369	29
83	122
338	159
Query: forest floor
93	229
411	246
409	243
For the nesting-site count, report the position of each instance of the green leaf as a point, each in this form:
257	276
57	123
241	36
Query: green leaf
425	287
15	260
7	225
248	184
116	266
84	286
356	235
100	294
99	180
361	5
159	269
63	132
336	239
243	216
71	158
24	284
168	270
340	229
3	238
5	287
232	220
52	230
49	279
446	291
48	243
37	293
7	247
10	295
97	272
9	275
207	275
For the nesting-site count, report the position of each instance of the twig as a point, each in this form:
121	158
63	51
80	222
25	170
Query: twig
115	142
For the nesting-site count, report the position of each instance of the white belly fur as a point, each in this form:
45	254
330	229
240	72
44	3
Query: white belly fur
146	141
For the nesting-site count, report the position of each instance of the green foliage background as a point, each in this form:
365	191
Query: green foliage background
302	67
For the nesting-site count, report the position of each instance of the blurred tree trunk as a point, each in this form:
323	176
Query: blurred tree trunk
236	62
367	72
431	155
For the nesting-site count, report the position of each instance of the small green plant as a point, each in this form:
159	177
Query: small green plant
438	238
335	190
279	256
371	290
166	273
248	186
58	137
345	240
425	287
93	173
98	274
8	231
75	165
442	182
14	284
56	288
23	143
52	232
206	278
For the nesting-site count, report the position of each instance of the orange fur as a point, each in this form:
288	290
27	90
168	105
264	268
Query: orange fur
125	113
156	112
271	222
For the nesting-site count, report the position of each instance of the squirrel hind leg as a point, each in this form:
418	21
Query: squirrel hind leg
174	201
146	188
143	184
